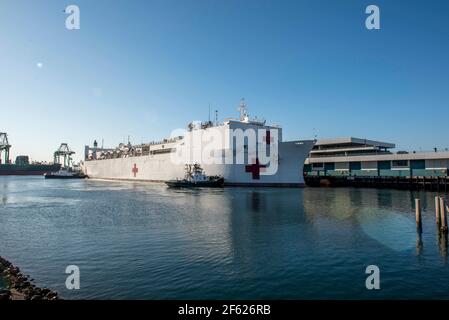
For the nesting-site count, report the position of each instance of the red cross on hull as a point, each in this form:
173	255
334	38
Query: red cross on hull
255	169
135	170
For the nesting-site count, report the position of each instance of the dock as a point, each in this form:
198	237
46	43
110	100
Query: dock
437	184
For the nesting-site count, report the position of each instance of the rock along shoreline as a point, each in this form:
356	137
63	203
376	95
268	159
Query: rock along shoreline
19	286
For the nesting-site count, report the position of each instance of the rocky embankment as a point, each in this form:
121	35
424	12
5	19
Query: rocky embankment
19	286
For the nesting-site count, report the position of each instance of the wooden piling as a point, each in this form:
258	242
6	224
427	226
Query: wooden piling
418	215
437	210
443	216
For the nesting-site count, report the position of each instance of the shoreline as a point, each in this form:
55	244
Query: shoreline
19	286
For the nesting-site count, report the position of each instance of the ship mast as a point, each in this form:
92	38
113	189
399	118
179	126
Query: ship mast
243	111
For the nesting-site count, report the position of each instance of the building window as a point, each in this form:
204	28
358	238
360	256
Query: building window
400	163
317	165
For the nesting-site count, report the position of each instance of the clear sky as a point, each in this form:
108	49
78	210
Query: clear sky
144	68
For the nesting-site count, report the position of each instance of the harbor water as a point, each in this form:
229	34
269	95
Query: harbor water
145	241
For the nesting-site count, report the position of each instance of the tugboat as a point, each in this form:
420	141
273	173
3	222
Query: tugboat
195	178
68	170
66	173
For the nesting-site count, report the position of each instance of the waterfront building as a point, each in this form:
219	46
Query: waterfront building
354	157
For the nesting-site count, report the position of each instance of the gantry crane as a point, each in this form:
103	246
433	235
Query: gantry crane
4	147
65	152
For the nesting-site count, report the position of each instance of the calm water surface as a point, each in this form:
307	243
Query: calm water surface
144	241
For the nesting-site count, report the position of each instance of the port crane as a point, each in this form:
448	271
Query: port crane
65	152
4	147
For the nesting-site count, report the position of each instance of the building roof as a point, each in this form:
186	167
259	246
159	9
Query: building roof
352	140
383	157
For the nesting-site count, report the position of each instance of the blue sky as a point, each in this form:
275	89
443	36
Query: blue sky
143	68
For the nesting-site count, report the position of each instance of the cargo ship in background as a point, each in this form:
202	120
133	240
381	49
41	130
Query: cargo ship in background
154	162
22	166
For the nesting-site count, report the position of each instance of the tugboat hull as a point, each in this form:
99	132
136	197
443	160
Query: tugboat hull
55	176
217	183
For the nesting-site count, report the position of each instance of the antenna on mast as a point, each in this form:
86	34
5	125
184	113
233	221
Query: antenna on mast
209	112
243	110
216	117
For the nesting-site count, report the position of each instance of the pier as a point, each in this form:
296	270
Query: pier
437	184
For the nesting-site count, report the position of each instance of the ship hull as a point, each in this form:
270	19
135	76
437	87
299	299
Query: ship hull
27	170
160	168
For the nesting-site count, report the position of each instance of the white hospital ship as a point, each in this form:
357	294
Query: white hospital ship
166	160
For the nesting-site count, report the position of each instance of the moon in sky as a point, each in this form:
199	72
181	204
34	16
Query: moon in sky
40	65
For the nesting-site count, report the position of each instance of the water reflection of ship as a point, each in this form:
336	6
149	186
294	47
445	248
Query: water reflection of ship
263	214
233	223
